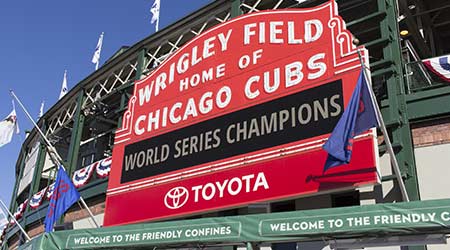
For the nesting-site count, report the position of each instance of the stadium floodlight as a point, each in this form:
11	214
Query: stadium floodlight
410	240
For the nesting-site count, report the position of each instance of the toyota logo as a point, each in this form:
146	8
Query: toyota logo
176	197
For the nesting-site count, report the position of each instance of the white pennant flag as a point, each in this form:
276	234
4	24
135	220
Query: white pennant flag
98	49
7	128
155	11
64	88
41	110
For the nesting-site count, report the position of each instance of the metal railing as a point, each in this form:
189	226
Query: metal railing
418	77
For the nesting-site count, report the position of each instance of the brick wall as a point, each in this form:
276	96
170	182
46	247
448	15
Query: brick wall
431	133
36	229
97	207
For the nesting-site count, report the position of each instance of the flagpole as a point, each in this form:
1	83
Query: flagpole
12	216
52	149
390	150
89	211
53	153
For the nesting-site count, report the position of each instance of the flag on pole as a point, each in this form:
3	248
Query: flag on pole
358	117
41	110
98	50
64	88
155	12
7	128
64	196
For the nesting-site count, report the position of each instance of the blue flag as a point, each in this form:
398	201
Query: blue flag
64	195
358	117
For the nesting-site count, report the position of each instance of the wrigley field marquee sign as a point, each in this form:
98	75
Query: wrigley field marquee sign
238	115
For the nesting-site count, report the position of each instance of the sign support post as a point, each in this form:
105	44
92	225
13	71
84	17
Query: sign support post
384	131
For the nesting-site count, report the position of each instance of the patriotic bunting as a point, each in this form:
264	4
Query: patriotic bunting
36	199
104	167
50	191
82	176
20	210
439	66
4	230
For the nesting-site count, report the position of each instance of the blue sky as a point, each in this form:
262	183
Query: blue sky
40	39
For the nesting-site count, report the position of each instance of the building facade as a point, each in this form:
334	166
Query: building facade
415	105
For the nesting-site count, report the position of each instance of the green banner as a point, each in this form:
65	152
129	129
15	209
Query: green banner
357	222
227	231
349	222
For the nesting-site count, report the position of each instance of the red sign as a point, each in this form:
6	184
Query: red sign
235	115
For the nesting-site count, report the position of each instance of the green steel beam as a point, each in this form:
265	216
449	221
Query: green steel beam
75	139
396	97
423	105
123	96
140	64
236	8
397	108
77	131
427	104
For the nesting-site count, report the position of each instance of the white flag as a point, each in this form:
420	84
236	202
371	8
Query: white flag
98	49
7	127
64	88
41	110
155	11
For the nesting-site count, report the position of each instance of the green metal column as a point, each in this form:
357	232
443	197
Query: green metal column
75	139
398	123
124	97
236	8
140	64
400	130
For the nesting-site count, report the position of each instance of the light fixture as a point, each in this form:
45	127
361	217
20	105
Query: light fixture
404	32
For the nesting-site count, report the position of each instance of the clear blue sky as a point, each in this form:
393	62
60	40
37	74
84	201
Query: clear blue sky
40	39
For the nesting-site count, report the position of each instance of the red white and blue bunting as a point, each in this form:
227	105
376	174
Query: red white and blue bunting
20	210
82	176
439	66
50	190
11	222
36	199
104	167
3	231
